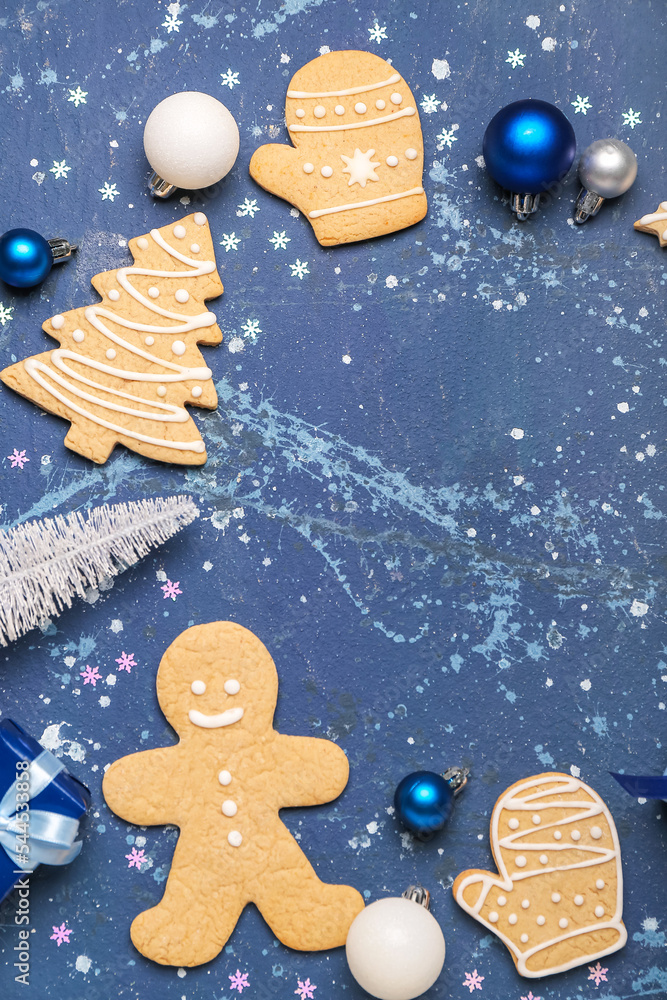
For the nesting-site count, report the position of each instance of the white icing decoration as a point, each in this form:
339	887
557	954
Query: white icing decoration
557	835
599	911
229	808
493	917
563	922
578	900
326	171
536	820
410	153
308	168
235	838
196	391
300	113
111	354
596	832
394	78
154	292
232	687
227	718
179	232
525	903
162	390
181	295
225	778
199	219
319	111
178	347
555	897
114	295
660	216
364	204
339	109
541	921
512	918
142	243
599	883
78	335
544	860
194	248
513	823
520	862
502	900
371	121
360	167
524	938
396	98
149	341
360	108
198	687
380	105
392	161
576	835
58	322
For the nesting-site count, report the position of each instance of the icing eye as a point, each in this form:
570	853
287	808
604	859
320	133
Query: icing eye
232	687
339	109
319	111
380	105
360	108
308	168
198	687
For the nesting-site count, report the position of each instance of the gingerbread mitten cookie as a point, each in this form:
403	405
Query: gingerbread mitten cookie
223	785
557	901
356	169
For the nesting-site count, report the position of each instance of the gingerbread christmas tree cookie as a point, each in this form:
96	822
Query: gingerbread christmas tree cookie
355	169
127	365
655	223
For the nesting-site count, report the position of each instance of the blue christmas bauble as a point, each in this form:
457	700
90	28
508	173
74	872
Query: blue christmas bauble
423	802
528	145
25	258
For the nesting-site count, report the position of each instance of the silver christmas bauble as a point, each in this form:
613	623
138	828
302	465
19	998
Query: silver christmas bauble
607	168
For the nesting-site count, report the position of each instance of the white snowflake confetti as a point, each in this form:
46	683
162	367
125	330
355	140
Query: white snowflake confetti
251	328
632	118
108	192
429	104
5	313
230	241
515	58
171	22
446	138
249	207
78	97
229	79
299	269
377	34
59	169
581	105
280	240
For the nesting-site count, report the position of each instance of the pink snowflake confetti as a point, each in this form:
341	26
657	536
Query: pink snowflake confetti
597	973
136	858
126	661
531	997
305	989
171	589
18	458
91	675
473	980
239	981
61	934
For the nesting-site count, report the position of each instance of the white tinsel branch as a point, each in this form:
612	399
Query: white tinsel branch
44	564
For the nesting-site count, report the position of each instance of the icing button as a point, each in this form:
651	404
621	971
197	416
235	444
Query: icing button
599	911
575	835
308	168
58	322
153	292
544	860
339	109
224	778
578	900
179	232
525	903
524	938
512	918
563	922
300	112
541	920
178	347
326	171
194	248
493	917
196	391
396	98
599	884
557	835
161	390
142	243
537	820
149	341
411	154
235	838
502	900
392	161
199	219
513	823
114	295
360	108
181	295
520	861
380	105
596	832
78	335
555	897
320	111
111	354
229	808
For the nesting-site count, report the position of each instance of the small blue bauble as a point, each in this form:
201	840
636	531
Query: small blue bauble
529	145
423	802
25	258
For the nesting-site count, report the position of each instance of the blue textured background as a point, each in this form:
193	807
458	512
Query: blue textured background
433	589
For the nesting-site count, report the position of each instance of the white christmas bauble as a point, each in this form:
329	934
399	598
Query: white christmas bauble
395	949
191	140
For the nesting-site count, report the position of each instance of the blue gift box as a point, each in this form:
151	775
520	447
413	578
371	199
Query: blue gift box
42	829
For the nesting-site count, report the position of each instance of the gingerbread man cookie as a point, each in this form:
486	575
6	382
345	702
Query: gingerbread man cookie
655	223
356	171
223	785
558	900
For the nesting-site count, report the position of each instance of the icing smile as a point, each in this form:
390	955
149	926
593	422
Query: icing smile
227	718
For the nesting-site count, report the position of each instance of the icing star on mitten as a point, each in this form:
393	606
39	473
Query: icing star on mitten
655	223
557	901
355	169
223	785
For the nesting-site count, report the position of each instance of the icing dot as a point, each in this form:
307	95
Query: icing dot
194	248
142	243
578	900
493	917
411	154
563	922
520	861
200	219
229	808
198	687
360	108
392	161
512	918
196	391
575	835
524	938
599	884
555	897
541	920
179	232
178	347
58	322
232	687
502	900
181	295
557	835
339	109
225	778
599	911
114	295
153	292
319	111
513	823
380	105
149	341
78	335
308	168
111	354
596	832
525	903
537	819
235	838
326	171
544	860
161	390
396	98
300	112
